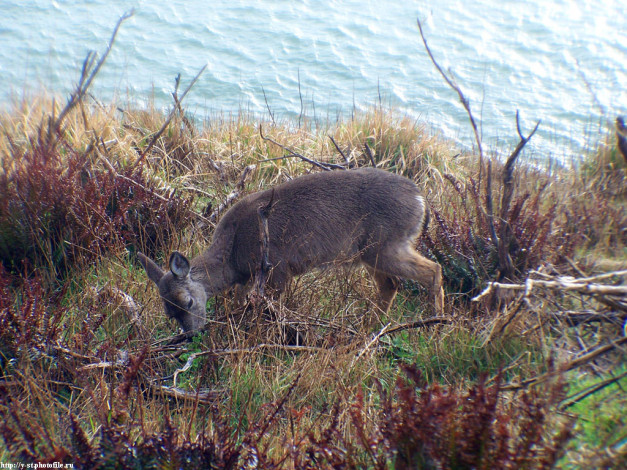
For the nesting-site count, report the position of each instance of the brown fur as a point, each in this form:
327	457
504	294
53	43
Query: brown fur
365	216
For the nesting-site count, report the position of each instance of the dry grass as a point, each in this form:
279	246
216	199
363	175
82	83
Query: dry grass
311	378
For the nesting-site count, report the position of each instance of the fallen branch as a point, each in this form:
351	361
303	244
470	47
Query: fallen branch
574	318
323	166
419	324
561	285
375	339
231	352
386	330
613	296
578	362
576	398
202	395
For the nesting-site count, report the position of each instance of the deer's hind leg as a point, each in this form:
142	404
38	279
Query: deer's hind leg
405	262
388	287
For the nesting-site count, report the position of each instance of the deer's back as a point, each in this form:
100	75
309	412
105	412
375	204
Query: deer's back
322	217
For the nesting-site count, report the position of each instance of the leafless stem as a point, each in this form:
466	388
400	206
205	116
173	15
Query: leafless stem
572	400
89	71
263	213
233	194
268	105
300	95
340	150
177	103
506	267
323	166
489	205
462	98
418	324
369	154
581	360
169	118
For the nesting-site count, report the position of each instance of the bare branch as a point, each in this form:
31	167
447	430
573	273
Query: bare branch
621	136
263	213
203	395
462	98
323	166
369	154
489	205
340	150
581	360
419	324
572	400
233	194
268	105
175	108
88	73
177	103
560	284
300	95
505	232
386	330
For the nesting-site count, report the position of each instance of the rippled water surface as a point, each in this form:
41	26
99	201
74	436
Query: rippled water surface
564	62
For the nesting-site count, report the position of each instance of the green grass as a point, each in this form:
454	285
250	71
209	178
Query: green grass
602	417
49	375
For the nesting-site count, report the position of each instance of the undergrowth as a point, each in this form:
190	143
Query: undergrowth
310	380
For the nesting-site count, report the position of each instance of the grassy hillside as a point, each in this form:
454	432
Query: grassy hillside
318	378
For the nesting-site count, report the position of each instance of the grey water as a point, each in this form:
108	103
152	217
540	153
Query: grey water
563	62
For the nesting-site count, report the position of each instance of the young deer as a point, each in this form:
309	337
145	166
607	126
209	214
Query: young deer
364	216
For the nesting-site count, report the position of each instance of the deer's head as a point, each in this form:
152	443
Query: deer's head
184	298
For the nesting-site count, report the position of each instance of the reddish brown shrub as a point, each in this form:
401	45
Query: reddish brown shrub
59	207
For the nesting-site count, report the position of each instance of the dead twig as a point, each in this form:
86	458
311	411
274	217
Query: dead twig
561	284
240	351
268	105
263	213
89	71
340	150
369	154
386	330
177	103
175	108
506	267
321	165
578	362
239	187
375	339
202	395
574	399
419	324
460	94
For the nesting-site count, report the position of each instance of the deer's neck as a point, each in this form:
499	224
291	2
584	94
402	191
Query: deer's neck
211	270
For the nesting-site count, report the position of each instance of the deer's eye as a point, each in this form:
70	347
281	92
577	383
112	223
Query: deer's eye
190	303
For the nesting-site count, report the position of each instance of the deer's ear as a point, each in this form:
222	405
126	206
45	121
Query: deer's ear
179	265
155	273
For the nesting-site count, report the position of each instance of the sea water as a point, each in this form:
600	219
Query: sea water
562	62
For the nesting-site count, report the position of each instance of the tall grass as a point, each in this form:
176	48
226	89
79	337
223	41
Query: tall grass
311	380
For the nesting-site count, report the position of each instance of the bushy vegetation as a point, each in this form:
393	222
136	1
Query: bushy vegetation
90	373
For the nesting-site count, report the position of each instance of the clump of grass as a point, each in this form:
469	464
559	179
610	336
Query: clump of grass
73	354
297	382
64	203
418	426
